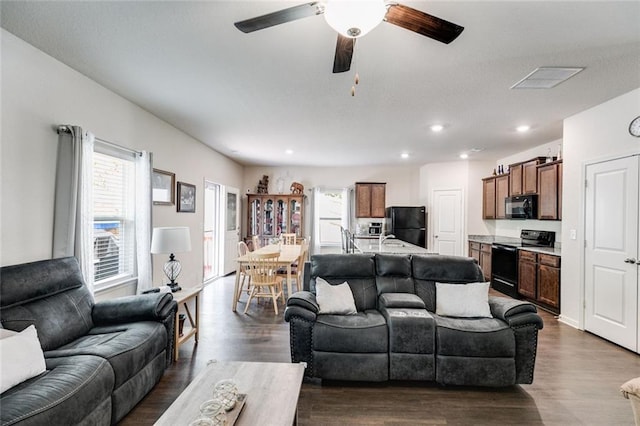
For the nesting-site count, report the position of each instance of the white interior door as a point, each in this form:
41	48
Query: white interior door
611	251
231	228
447	221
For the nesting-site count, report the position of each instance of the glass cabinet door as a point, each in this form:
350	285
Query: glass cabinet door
269	220
282	219
296	217
255	213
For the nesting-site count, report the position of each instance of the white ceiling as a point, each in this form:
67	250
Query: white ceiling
252	96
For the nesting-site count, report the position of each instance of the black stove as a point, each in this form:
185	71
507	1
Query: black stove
504	259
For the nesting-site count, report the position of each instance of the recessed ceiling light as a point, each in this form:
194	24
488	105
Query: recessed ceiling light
404	155
464	156
437	128
523	128
289	151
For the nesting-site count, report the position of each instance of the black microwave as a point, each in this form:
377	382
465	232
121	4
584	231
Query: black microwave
521	207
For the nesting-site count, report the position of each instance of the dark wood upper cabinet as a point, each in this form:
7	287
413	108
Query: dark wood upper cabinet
515	179
530	177
549	187
489	198
370	199
502	191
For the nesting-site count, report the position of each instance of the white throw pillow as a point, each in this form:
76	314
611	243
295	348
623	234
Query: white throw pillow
21	357
463	300
335	299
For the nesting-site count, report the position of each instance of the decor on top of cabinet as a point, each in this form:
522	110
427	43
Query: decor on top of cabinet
297	188
263	185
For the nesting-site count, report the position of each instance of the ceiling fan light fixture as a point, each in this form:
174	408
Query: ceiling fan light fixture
354	18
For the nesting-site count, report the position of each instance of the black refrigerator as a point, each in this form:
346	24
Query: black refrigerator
407	224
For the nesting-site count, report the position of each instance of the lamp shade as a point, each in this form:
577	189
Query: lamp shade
354	18
170	240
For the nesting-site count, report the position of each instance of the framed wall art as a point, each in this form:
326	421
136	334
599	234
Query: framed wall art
186	197
162	184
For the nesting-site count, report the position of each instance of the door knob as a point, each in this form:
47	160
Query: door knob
435	236
630	260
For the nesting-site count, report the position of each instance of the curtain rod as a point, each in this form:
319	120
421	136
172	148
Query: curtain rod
63	128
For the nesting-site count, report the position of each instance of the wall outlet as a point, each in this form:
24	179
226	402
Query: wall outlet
573	234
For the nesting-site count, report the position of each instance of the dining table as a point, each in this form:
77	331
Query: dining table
289	254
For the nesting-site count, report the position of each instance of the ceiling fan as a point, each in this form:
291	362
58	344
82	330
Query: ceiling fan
353	19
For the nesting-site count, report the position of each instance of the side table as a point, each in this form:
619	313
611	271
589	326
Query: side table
183	297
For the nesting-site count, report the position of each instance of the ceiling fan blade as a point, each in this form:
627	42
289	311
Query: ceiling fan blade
422	23
280	17
344	53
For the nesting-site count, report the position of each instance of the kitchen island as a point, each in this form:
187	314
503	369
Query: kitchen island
390	246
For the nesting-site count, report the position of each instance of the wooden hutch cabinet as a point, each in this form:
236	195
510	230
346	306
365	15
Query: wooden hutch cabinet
270	215
370	199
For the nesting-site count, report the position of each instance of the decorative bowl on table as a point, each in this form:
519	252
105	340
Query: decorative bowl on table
226	391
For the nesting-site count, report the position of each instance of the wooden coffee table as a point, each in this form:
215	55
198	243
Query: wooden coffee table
272	391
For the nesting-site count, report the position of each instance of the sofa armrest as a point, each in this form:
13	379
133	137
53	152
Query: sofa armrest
144	307
515	312
401	300
302	304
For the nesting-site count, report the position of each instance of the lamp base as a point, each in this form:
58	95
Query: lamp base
174	287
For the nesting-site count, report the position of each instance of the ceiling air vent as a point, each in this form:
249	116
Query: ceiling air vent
546	77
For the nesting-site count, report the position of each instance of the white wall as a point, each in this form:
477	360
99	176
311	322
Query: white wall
597	133
464	175
39	93
402	183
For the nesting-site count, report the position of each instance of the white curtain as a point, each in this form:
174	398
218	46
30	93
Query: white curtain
143	221
73	205
315	221
346	210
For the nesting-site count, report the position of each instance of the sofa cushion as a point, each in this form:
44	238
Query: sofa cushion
21	357
477	337
128	347
358	270
393	274
400	300
334	299
365	332
70	389
463	300
427	269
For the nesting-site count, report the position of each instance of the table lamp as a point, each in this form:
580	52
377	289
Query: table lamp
170	240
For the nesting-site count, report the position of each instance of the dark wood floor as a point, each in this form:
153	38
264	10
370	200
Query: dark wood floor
576	382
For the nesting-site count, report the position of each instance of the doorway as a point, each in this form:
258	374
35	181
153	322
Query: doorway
212	256
611	251
447	221
231	229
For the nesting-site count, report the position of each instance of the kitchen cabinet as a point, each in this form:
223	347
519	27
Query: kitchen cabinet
270	215
494	191
549	190
539	279
560	190
527	273
502	191
515	179
489	198
370	199
481	252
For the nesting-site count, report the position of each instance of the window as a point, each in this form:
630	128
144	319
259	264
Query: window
114	215
331	204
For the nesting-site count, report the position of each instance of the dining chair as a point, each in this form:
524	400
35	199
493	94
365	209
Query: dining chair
255	241
288	239
243	249
265	282
297	267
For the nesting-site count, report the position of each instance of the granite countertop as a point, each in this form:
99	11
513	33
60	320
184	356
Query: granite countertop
391	246
490	239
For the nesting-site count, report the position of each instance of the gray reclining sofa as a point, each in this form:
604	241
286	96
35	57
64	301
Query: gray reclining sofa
101	358
396	334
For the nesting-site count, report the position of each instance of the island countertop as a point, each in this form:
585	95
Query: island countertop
391	246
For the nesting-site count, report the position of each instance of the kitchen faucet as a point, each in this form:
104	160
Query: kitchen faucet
382	239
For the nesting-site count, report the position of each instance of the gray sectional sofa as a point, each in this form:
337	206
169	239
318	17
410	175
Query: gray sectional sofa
101	358
396	333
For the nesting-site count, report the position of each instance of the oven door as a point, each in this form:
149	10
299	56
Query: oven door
504	269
